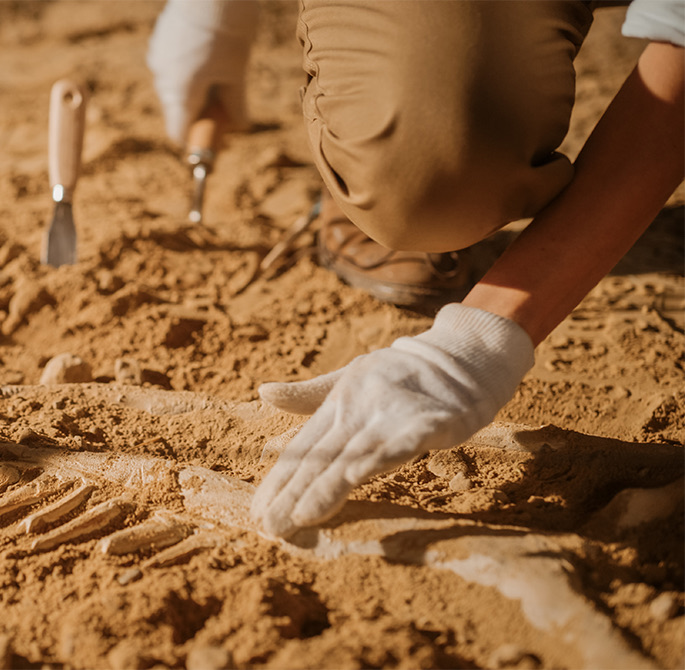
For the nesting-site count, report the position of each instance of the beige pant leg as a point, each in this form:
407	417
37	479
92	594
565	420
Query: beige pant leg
434	123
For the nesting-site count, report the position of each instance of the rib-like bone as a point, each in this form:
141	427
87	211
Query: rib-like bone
30	495
58	510
533	568
183	550
154	533
93	520
8	476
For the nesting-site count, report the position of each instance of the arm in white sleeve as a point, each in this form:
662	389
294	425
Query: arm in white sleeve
197	45
656	20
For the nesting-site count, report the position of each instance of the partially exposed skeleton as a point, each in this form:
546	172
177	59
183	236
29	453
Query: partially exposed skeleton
49	497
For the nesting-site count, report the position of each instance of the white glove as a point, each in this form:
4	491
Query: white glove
196	45
431	391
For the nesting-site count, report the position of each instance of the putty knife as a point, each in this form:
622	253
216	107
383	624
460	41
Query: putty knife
202	146
65	141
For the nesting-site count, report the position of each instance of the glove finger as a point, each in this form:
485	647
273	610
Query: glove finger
289	461
328	493
321	459
323	499
300	397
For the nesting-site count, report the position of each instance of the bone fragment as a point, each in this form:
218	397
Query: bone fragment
78	529
155	533
518	437
58	510
29	495
634	507
183	550
213	496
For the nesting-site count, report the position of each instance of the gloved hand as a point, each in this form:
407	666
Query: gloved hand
197	45
431	391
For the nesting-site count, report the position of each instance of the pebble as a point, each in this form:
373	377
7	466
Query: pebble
125	656
460	482
128	371
446	464
66	369
131	575
208	657
663	607
108	282
512	656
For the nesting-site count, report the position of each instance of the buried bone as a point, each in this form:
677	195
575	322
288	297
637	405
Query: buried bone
155	533
531	568
80	528
58	511
39	491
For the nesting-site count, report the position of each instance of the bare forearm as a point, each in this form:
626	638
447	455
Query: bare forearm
627	170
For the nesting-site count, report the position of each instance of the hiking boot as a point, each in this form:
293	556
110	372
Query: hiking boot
404	278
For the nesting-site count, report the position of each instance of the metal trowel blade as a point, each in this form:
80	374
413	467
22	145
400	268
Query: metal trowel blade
59	243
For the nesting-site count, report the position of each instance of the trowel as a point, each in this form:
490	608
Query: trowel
202	146
65	141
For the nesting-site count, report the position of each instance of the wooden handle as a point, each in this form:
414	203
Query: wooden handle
206	132
66	125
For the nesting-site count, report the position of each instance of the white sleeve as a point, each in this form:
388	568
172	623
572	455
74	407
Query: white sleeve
656	20
196	45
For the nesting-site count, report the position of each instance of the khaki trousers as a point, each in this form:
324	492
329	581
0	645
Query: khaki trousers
435	122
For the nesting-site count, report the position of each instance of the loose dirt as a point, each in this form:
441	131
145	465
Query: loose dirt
554	539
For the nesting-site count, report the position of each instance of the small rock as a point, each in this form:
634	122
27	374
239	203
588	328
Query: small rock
66	369
512	656
208	657
108	282
129	576
128	371
460	482
126	656
446	464
663	607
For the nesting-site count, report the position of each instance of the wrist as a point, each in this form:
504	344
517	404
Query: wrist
508	303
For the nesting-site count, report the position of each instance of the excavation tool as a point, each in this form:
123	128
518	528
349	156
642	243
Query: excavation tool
284	246
65	141
204	139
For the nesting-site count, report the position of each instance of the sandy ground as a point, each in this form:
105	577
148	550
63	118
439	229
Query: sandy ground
124	541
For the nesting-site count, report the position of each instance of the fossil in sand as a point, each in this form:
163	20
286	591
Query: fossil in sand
50	497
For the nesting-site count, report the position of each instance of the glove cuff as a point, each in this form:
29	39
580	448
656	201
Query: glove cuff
453	321
494	352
